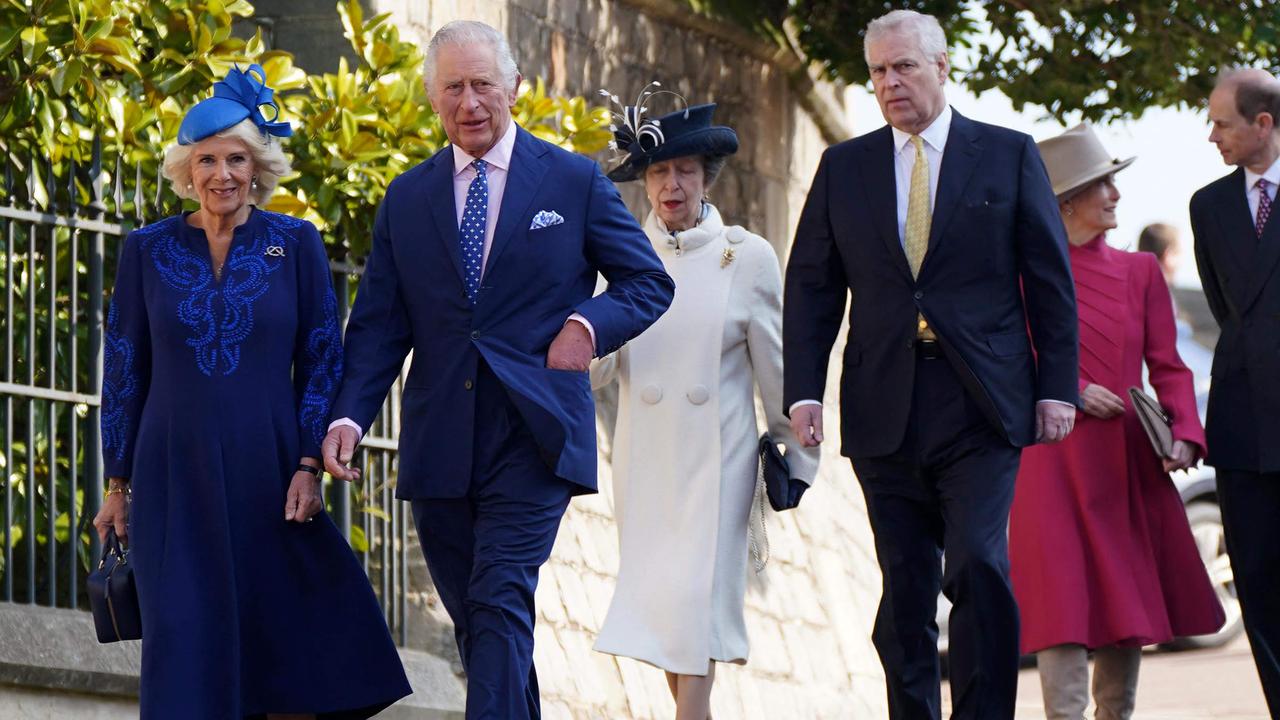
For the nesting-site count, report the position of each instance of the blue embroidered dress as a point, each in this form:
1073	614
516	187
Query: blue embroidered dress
212	390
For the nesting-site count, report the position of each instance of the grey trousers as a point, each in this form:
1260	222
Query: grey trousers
1064	680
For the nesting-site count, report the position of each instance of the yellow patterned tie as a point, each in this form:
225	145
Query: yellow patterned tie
919	215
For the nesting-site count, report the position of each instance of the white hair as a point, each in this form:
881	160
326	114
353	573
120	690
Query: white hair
924	29
471	32
269	162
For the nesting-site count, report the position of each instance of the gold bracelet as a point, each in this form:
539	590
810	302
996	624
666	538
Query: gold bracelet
117	490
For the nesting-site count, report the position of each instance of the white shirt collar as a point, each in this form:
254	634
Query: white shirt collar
1272	176
499	155
935	136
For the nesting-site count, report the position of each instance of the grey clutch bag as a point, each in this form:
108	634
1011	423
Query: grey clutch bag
1155	421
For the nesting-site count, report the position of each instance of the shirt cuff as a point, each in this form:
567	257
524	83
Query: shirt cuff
587	324
349	423
1056	402
798	403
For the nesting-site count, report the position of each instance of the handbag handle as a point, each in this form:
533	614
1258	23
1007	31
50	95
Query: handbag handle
111	547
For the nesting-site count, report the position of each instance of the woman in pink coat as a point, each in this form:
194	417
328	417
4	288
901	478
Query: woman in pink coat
1102	558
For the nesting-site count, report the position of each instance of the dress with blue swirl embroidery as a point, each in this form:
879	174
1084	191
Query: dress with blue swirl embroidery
213	390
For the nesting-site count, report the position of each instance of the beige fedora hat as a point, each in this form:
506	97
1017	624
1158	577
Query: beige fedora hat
1076	158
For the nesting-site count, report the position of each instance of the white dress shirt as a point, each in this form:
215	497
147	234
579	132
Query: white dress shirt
904	162
498	159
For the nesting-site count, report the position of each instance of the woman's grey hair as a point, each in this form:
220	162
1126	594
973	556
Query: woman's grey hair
470	32
269	162
925	29
711	167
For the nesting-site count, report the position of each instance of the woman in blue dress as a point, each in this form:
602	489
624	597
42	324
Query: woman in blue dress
222	355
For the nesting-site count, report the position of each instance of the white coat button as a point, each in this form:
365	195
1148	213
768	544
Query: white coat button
651	394
698	394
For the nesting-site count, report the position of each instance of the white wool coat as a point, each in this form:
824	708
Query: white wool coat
684	453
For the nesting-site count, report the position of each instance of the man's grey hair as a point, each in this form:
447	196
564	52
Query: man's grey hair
924	29
1257	92
470	32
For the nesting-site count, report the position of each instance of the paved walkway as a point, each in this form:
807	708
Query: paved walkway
1219	684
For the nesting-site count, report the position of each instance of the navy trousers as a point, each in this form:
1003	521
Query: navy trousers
484	551
1250	504
948	487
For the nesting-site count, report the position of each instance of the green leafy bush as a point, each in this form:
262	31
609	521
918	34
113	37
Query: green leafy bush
127	70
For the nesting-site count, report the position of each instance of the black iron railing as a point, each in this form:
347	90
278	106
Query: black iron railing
60	227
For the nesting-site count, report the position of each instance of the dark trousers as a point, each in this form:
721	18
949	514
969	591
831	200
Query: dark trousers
1250	504
484	551
948	487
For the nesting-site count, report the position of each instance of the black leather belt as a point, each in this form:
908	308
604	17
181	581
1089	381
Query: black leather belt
928	349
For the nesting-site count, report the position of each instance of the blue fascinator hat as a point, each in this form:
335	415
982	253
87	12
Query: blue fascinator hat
678	134
239	96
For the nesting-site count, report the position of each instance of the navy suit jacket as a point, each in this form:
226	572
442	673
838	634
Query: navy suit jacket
1241	278
412	298
995	267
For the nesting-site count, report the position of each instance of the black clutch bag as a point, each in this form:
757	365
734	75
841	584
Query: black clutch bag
1155	422
112	595
776	473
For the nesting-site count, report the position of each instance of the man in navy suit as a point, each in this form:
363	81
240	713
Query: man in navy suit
1237	240
947	234
484	262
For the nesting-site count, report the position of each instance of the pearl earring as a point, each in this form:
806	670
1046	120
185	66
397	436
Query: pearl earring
254	184
189	186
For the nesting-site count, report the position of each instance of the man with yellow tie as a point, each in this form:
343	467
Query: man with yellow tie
961	350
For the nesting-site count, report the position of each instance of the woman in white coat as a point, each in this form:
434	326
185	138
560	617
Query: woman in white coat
685	446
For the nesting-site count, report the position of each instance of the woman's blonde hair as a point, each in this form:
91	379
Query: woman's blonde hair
269	162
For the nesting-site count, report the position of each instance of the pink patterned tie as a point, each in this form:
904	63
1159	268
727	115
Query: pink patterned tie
1264	205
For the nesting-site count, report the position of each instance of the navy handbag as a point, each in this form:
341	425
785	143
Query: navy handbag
112	595
776	472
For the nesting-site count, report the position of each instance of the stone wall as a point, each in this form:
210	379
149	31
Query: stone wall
52	668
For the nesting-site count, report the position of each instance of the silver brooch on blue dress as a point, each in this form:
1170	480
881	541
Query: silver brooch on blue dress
274	251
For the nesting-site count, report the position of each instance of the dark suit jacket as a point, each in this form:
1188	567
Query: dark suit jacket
1241	278
996	266
412	298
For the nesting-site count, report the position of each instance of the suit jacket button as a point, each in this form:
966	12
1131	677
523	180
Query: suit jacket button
651	394
468	384
698	394
919	294
475	334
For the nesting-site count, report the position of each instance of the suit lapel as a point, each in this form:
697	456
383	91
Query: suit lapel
1266	252
524	177
959	159
882	193
439	192
1238	233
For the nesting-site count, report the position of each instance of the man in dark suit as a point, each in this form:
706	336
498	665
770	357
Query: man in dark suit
484	262
1238	255
947	234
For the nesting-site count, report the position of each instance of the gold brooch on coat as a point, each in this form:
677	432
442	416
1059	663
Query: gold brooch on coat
726	257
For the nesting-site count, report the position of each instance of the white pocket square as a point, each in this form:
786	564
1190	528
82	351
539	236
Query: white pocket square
545	218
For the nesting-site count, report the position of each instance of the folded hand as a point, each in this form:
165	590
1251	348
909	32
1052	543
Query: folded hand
303	499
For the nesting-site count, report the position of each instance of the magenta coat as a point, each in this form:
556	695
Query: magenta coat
1099	545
